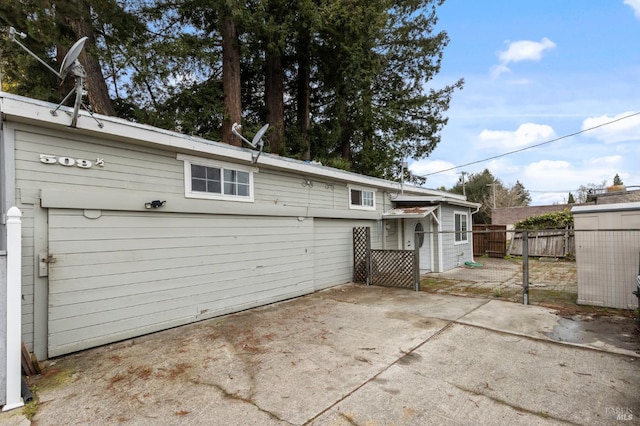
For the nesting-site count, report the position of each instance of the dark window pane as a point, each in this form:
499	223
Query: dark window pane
198	171
213	173
243	177
213	187
243	190
199	185
230	188
356	197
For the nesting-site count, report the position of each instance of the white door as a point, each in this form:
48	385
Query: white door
411	226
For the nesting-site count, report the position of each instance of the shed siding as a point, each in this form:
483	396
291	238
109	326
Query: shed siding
609	283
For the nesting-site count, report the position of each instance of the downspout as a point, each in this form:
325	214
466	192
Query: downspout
383	225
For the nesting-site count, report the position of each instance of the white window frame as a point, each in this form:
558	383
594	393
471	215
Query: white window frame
463	234
222	165
362	190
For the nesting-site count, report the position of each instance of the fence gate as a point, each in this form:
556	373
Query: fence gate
388	268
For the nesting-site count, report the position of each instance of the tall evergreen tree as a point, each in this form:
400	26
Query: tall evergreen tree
617	181
52	27
342	81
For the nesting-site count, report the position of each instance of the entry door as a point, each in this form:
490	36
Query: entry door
423	241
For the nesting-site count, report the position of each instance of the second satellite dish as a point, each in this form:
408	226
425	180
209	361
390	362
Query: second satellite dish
257	139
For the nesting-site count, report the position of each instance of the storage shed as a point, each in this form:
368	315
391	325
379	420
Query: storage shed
130	229
610	232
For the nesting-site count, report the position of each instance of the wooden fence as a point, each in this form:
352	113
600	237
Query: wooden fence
490	240
558	243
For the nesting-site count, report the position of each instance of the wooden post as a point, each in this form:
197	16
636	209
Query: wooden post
416	262
368	255
14	310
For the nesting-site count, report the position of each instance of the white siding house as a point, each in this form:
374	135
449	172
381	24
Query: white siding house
130	229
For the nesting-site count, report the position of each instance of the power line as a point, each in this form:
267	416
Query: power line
534	146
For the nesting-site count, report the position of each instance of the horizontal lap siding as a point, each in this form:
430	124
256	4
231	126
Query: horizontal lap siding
148	270
333	250
125	274
125	167
275	188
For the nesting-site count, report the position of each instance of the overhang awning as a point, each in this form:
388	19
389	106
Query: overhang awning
409	212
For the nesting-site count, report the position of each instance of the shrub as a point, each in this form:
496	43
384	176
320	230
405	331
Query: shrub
555	220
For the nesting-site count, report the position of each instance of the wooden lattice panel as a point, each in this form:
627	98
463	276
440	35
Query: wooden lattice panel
361	244
393	268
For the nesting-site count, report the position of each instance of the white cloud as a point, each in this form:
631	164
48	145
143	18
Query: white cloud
522	50
609	160
424	167
561	177
635	5
626	129
526	134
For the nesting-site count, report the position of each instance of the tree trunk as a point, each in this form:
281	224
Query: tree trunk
231	81
344	125
304	93
98	93
274	99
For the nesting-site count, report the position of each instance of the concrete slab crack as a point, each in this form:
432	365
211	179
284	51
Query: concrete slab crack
239	398
518	408
406	358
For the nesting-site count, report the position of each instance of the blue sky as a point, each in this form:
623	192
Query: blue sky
537	70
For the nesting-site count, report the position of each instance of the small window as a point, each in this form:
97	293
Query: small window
209	179
461	227
363	199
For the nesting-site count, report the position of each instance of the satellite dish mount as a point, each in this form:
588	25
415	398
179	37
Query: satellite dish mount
70	65
255	143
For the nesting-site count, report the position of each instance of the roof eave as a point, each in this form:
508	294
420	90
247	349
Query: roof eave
32	111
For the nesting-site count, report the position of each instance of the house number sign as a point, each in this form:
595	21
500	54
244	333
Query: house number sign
70	161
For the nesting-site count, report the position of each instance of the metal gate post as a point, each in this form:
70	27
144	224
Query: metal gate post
525	267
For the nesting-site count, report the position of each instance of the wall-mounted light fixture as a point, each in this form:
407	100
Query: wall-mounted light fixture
307	182
156	204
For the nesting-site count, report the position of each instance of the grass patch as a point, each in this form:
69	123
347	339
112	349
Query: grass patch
30	409
433	284
53	377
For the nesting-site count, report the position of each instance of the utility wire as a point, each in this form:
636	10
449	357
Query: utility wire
534	146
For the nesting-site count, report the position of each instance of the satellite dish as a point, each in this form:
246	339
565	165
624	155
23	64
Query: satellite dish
70	64
257	139
71	57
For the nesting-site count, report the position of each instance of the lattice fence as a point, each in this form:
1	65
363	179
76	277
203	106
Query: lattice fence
389	268
361	250
393	268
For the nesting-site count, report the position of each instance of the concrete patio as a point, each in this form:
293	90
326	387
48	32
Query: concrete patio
355	355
